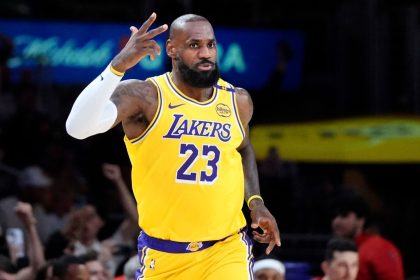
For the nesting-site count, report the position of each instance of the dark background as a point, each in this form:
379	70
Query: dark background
362	58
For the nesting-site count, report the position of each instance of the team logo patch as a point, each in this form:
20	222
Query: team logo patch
194	246
223	110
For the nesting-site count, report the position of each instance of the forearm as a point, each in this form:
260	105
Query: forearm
93	112
35	248
252	185
127	200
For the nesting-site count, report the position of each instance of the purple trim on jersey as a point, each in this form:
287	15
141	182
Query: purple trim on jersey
187	99
232	90
224	88
159	110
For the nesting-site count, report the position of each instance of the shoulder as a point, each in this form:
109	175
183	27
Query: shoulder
377	243
134	87
135	99
245	105
134	92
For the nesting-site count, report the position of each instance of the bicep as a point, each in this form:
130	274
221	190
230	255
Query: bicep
127	98
245	109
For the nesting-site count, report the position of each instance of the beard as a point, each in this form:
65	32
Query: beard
198	79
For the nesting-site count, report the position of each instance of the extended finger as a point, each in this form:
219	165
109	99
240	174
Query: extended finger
156	31
145	26
133	30
269	248
275	233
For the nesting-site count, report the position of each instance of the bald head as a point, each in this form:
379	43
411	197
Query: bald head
179	23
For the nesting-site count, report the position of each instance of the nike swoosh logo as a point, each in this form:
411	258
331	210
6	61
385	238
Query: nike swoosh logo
102	78
170	106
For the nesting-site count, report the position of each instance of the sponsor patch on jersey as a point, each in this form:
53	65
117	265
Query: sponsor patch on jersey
223	110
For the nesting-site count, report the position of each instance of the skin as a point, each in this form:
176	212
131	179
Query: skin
347	226
344	266
268	274
136	101
96	270
7	276
76	272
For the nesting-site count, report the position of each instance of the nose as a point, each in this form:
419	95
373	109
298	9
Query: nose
204	52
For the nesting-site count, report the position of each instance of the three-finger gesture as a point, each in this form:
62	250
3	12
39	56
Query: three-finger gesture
262	218
140	45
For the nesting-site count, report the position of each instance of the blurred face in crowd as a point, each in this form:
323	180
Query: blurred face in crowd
92	223
96	270
268	274
343	266
76	272
347	225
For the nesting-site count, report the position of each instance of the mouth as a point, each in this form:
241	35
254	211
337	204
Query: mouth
206	66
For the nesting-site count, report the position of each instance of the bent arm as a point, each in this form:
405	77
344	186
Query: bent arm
93	112
260	215
246	108
35	248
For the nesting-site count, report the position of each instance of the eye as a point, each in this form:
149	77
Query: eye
193	45
211	45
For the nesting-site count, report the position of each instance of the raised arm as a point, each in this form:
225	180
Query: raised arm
35	248
93	111
113	173
260	215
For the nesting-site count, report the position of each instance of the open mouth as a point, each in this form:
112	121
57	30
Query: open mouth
205	66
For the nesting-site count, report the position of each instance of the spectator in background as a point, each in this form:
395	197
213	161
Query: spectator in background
69	268
341	260
379	258
10	269
7	269
274	84
33	186
269	269
130	268
80	234
95	267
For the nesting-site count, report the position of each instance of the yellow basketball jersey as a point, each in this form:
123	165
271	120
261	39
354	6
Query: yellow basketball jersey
187	175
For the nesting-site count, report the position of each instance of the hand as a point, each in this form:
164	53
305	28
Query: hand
139	45
111	171
24	212
262	218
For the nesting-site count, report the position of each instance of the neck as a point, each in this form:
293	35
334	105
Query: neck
199	94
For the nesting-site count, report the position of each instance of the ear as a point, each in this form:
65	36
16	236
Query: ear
170	49
324	267
361	223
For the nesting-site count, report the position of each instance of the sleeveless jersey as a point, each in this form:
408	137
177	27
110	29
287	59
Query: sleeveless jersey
187	174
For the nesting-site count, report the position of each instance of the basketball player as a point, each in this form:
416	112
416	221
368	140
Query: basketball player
186	134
